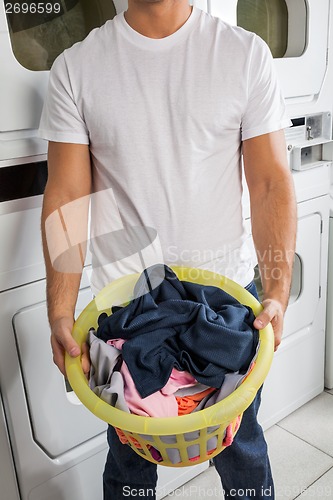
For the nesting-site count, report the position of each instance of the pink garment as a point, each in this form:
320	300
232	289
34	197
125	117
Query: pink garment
155	454
178	380
160	404
117	343
155	405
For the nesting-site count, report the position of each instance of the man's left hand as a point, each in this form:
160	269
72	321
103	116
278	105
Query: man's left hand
273	313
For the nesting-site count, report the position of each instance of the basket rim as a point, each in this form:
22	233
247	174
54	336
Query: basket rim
221	413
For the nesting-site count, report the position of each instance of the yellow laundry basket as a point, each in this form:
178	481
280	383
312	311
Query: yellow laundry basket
171	434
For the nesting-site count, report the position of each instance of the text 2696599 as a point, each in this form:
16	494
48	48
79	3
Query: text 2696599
32	7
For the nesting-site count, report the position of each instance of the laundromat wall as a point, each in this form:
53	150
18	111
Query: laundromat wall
50	446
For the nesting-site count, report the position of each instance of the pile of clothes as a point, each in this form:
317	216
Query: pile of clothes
177	347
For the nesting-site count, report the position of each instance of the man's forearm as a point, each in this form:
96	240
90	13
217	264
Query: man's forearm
274	221
62	291
63	270
64	233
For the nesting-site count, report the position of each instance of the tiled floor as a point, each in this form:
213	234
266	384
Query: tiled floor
301	453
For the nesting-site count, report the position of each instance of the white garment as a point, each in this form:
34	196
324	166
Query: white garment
164	119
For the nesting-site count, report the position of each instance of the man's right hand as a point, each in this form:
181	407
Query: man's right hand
62	340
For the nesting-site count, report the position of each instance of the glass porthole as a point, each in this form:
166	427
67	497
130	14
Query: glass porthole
40	31
272	21
296	282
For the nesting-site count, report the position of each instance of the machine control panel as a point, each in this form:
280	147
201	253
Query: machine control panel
307	140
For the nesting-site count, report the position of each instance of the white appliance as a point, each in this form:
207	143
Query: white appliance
67	462
50	445
30	41
297	372
300	37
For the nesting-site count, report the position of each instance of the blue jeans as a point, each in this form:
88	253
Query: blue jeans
244	466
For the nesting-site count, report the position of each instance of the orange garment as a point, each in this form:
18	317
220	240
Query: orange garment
253	364
123	439
187	404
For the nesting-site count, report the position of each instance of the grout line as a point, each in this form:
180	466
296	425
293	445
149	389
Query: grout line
304	441
331	468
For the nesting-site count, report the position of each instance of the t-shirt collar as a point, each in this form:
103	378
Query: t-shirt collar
157	43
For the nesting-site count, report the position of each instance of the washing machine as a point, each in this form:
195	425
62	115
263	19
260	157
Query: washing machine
51	446
300	36
297	372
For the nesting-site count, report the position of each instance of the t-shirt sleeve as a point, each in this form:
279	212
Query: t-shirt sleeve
265	111
61	120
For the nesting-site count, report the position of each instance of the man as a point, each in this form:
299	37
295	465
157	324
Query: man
155	108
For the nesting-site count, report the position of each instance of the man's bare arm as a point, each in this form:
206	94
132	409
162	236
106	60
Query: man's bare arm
274	220
64	219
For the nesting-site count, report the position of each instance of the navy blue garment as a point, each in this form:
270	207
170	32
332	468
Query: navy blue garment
200	329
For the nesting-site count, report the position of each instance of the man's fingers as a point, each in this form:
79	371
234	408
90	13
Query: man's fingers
261	321
85	358
265	317
58	355
69	344
62	340
272	313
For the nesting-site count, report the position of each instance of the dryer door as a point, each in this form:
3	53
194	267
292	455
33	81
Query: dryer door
305	289
59	421
296	32
32	35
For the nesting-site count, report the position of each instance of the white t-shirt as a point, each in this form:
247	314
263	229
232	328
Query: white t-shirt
164	119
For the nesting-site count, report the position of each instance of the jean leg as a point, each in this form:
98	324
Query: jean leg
244	466
126	474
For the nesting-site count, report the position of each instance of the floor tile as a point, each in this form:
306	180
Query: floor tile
329	391
322	488
313	423
295	464
206	485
